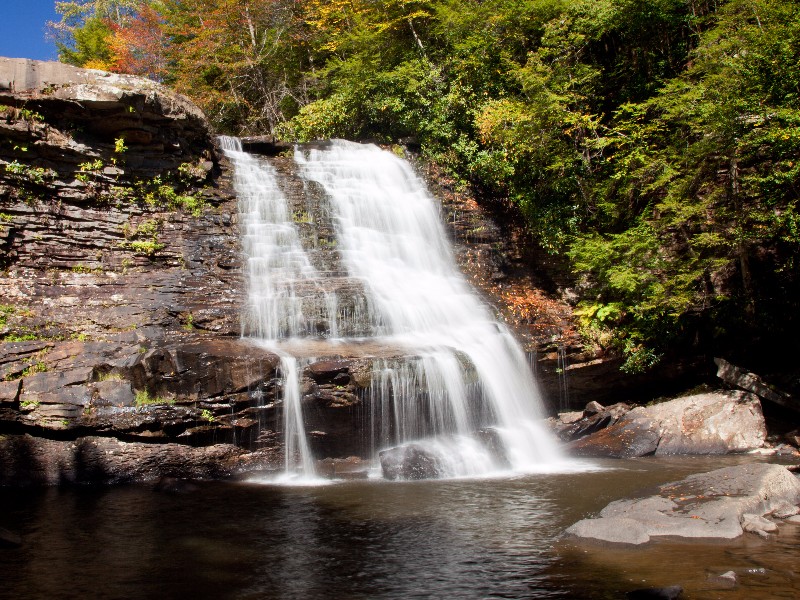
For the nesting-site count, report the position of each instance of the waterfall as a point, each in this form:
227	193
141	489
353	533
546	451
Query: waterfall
276	265
471	371
462	378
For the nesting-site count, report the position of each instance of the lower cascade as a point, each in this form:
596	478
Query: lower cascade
454	395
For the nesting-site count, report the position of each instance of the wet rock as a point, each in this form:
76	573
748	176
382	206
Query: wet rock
352	467
410	462
727	580
26	461
706	505
712	423
492	440
575	425
672	592
204	368
627	439
325	371
753	523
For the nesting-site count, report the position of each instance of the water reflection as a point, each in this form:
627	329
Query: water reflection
494	538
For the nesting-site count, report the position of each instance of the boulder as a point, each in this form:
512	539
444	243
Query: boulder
711	423
745	380
757	524
410	462
726	580
716	505
626	439
595	417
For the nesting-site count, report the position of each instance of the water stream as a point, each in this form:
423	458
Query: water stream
463	380
473	373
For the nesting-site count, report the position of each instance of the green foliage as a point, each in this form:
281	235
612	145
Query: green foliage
37	367
654	144
207	415
146	247
5	311
28	174
148	227
81	268
143	398
20	337
110	376
89	44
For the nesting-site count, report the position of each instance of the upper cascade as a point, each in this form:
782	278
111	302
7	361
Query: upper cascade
464	380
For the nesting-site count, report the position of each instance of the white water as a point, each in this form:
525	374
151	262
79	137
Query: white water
464	379
471	373
276	264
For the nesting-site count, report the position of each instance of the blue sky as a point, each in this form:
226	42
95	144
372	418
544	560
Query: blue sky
22	29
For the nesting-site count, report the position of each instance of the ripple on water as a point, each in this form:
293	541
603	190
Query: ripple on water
467	538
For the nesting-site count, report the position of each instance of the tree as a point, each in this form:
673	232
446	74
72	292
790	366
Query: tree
82	32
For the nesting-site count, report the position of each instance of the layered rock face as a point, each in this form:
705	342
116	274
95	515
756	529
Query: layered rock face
123	289
122	284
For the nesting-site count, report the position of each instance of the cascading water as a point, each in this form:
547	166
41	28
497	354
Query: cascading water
470	373
461	387
276	265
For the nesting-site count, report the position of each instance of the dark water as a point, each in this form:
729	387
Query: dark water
493	538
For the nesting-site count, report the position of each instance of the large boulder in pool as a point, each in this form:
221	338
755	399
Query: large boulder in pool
711	423
721	504
410	461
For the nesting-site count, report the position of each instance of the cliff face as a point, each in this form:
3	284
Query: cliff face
121	286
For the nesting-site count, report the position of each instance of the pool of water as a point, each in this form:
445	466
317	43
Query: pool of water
472	538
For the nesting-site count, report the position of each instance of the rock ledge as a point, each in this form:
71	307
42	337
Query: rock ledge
721	504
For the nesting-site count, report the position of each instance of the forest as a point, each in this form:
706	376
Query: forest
652	145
